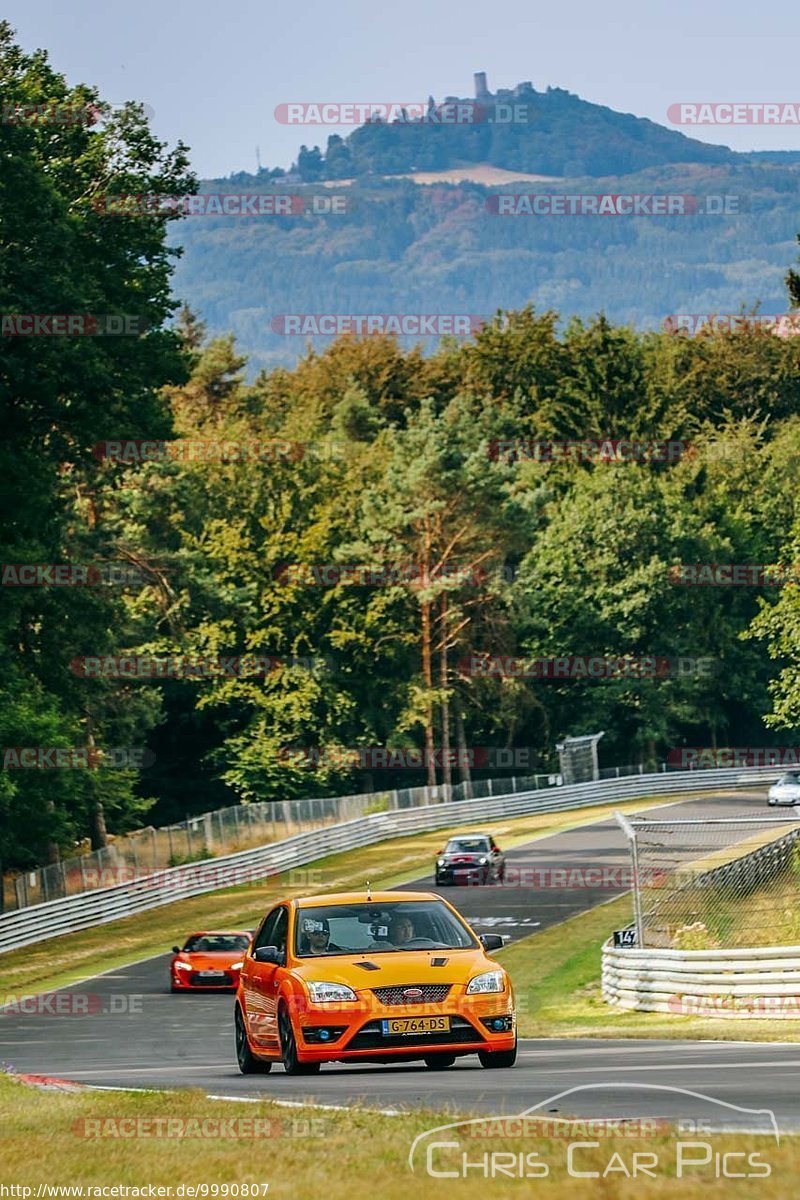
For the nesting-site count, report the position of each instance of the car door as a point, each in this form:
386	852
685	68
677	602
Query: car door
259	981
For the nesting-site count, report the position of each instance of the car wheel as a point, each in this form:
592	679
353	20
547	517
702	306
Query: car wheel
291	1063
248	1063
439	1062
498	1058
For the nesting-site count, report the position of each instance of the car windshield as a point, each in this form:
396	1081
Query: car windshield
790	777
216	943
467	845
379	928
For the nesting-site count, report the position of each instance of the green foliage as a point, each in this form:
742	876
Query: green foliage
394	472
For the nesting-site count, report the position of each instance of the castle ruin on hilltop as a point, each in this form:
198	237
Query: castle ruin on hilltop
482	91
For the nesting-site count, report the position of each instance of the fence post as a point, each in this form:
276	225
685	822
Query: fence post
630	834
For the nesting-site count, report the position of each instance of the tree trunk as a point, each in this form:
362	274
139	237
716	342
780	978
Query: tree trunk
447	773
427	673
97	815
97	824
463	757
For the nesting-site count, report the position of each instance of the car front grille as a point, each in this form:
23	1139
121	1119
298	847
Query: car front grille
371	1037
432	993
225	980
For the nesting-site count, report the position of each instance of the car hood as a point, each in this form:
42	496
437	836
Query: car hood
212	962
393	969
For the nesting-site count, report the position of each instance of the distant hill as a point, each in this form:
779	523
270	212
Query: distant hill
410	241
549	133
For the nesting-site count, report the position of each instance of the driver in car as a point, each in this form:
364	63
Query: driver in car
316	937
401	930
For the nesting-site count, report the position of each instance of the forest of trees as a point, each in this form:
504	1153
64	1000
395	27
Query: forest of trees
369	454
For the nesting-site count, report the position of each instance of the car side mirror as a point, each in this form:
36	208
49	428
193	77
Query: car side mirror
269	954
176	949
491	941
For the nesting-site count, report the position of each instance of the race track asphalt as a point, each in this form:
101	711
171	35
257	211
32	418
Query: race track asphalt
136	1034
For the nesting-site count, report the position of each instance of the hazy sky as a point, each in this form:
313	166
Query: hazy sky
213	73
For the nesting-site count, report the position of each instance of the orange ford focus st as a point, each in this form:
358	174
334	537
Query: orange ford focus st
390	977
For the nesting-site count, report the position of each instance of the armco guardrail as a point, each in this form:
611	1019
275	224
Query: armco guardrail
240	827
760	982
40	921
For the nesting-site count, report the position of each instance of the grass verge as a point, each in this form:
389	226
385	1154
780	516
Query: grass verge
98	1140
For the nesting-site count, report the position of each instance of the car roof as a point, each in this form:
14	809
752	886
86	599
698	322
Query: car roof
360	898
454	837
220	933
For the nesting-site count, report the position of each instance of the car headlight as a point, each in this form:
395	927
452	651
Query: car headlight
327	993
180	966
490	981
440	862
236	966
483	862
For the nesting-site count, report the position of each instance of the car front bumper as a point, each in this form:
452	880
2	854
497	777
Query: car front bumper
356	1030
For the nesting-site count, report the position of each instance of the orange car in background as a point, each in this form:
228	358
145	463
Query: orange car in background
383	978
210	960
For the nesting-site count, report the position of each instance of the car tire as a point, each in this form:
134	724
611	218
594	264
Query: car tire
288	1043
498	1058
248	1063
439	1062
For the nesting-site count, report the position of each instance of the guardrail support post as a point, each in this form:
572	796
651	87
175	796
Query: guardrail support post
630	834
